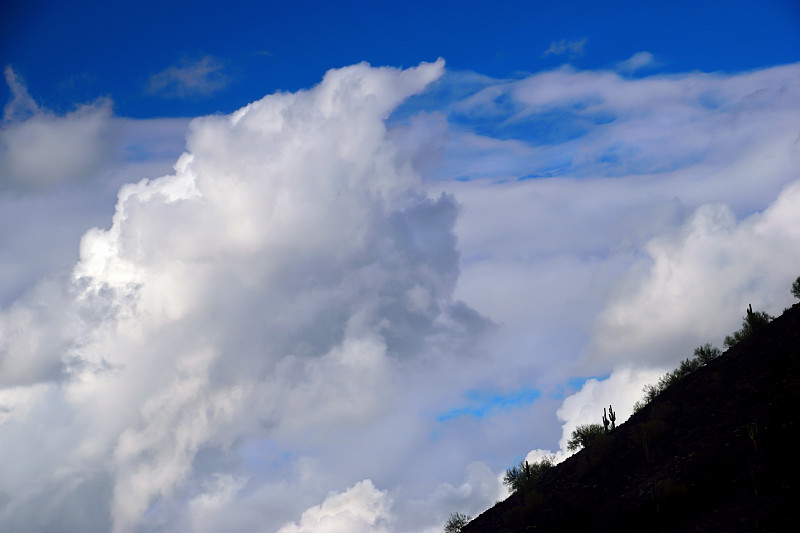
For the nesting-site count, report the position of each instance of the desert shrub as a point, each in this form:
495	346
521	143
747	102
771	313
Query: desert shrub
702	356
796	288
639	405
456	522
650	393
706	353
753	322
519	477
584	436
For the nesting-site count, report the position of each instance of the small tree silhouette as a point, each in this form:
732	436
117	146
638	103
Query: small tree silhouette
706	353
518	477
456	522
584	436
796	288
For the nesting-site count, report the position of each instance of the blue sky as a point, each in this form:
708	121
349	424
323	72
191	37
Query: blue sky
78	51
249	282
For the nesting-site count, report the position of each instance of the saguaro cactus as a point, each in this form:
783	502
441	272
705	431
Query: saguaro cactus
605	420
612	416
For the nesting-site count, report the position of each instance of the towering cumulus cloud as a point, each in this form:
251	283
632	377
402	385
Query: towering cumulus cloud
271	287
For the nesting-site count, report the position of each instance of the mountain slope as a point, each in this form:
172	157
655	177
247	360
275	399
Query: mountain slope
715	452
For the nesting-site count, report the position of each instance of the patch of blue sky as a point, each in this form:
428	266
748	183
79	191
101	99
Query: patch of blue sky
552	127
619	161
279	46
484	404
453	86
504	120
137	153
573	385
497	114
552	170
468	159
264	455
710	100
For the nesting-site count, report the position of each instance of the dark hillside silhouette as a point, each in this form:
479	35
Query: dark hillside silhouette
715	452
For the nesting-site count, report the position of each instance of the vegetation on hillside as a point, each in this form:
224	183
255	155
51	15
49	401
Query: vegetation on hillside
456	522
753	322
523	480
584	436
519	477
702	356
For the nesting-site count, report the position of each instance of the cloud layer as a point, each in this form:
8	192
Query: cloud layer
652	165
273	335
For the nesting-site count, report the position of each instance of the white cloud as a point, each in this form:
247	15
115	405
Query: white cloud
203	77
699	279
16	402
542	256
219	492
235	295
573	48
360	509
637	61
40	229
39	149
365	508
33	335
277	320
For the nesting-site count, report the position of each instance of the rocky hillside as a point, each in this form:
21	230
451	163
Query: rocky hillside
716	452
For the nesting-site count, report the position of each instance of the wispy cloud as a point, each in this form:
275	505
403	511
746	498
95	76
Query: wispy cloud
573	48
637	61
203	77
21	106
